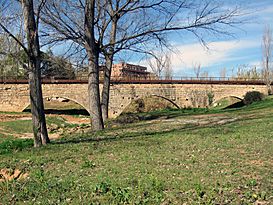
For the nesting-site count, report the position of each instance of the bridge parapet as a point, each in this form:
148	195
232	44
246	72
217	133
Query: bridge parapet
142	80
14	96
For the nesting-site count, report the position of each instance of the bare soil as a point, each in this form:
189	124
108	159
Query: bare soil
12	117
75	120
27	116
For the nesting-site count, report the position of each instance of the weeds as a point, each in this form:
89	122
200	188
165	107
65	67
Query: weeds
12	145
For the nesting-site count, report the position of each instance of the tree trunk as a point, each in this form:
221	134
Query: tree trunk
37	108
94	92
109	56
36	97
105	96
92	49
269	88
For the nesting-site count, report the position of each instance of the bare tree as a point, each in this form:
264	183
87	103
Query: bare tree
267	58
246	72
223	73
168	68
92	49
143	29
126	18
131	25
74	23
108	13
34	74
109	52
199	74
197	70
159	64
204	75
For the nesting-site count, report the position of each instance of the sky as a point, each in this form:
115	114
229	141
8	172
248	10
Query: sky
226	52
222	52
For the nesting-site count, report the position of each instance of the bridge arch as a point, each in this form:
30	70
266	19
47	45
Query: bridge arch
124	108
236	99
26	105
14	96
172	102
229	96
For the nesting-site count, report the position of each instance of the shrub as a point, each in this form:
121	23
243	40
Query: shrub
127	118
210	97
252	96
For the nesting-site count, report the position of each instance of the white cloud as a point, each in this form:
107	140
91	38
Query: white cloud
226	53
218	53
257	64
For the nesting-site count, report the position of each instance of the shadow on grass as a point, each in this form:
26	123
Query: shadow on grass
126	118
235	105
11	145
64	112
100	137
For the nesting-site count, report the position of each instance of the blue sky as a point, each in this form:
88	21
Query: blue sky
226	52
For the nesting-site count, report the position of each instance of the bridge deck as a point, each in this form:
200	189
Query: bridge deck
140	81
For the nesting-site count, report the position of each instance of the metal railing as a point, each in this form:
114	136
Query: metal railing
139	79
152	77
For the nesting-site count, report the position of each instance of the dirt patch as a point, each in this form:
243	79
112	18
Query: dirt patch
81	124
257	162
21	135
75	120
11	117
200	120
54	136
69	118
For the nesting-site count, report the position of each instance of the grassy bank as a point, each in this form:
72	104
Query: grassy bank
168	157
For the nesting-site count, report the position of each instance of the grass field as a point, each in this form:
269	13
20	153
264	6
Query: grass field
166	157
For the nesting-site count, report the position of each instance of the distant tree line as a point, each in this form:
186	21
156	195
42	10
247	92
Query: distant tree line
12	66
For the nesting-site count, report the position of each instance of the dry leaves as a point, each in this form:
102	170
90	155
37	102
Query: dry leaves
9	174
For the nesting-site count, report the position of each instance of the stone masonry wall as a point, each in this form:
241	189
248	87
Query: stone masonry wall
15	97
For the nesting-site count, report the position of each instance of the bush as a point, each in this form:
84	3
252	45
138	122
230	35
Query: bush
253	96
127	118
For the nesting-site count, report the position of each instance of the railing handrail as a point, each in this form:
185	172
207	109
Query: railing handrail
141	79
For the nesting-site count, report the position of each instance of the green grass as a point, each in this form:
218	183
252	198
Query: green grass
225	102
25	126
169	160
57	121
11	145
18	126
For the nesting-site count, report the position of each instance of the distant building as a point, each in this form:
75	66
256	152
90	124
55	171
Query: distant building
122	71
129	71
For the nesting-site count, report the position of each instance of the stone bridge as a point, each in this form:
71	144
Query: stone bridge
14	96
